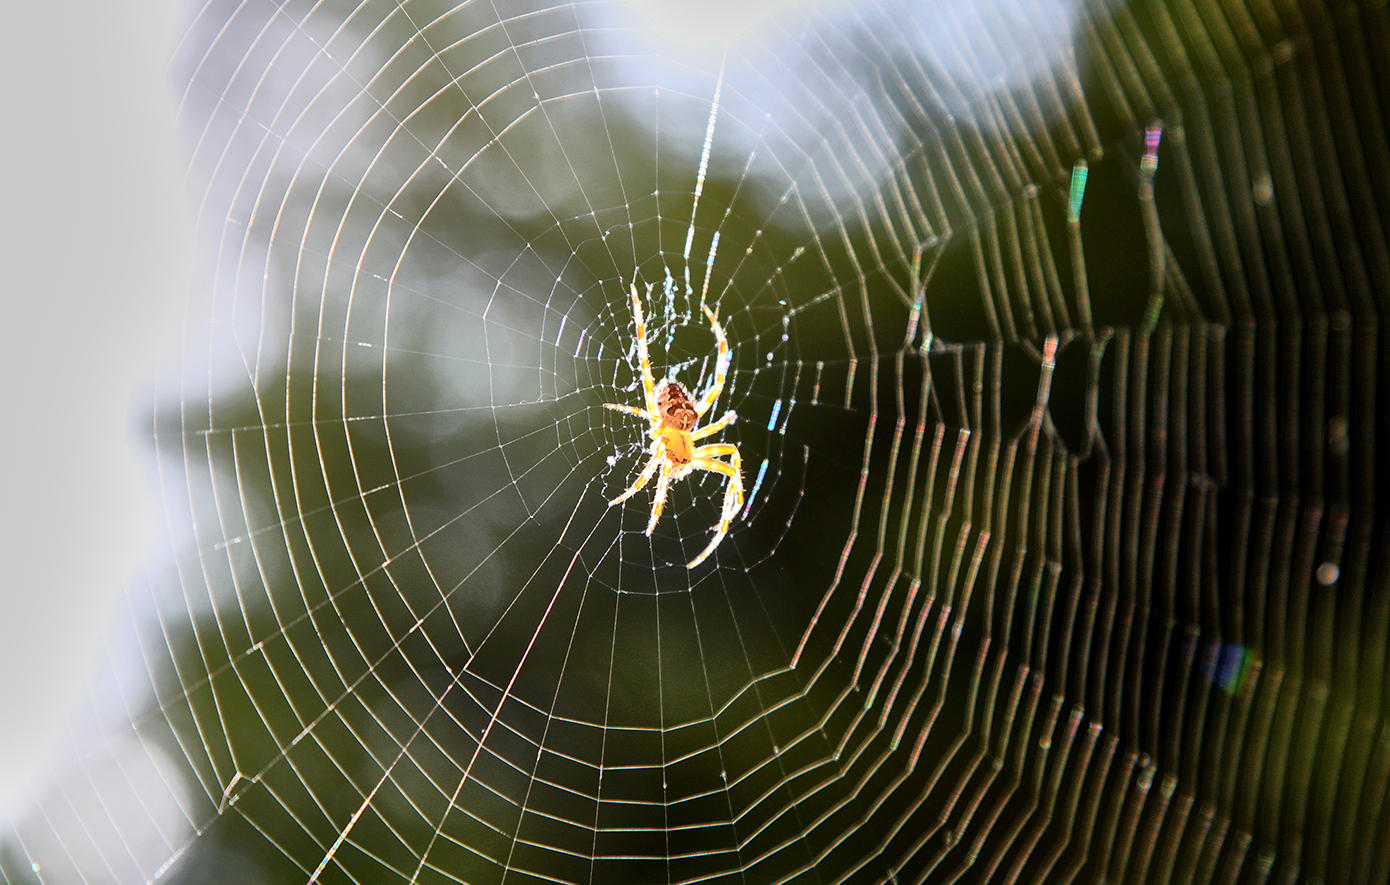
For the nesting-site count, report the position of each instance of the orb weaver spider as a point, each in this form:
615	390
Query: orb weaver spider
674	416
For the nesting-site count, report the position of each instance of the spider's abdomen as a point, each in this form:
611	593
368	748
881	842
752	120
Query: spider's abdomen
675	408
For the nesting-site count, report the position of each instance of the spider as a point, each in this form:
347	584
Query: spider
674	416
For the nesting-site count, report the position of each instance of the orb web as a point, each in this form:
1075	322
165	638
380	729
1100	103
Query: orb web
1054	335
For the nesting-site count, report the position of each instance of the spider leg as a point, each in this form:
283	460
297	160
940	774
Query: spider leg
658	455
663	483
733	492
715	450
648	384
705	459
712	429
633	410
721	366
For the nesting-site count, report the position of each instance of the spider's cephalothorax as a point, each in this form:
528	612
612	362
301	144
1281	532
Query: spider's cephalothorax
674	416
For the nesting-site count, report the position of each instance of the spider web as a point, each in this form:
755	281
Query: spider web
1055	339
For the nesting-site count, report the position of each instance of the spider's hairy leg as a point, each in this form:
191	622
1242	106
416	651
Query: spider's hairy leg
705	460
633	410
658	455
712	429
721	366
663	483
733	492
648	384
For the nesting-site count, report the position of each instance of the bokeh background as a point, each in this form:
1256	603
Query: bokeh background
97	245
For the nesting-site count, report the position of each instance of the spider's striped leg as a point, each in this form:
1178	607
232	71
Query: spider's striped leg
658	455
733	492
705	460
721	366
711	430
633	410
663	483
648	384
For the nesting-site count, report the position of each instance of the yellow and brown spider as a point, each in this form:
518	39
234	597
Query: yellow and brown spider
674	416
